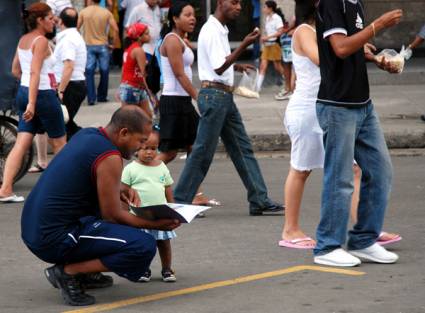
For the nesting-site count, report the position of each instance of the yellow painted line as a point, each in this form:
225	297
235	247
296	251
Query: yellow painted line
223	283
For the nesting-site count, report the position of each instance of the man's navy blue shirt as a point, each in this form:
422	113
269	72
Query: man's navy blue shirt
66	191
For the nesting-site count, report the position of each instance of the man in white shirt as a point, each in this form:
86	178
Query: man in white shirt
219	114
71	57
57	6
148	13
128	6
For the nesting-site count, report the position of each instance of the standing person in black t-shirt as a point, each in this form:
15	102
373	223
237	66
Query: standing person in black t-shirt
351	131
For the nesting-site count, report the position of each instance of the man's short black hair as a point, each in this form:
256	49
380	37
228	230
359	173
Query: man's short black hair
69	17
96	1
131	117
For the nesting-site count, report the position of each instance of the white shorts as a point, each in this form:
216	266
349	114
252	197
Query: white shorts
306	136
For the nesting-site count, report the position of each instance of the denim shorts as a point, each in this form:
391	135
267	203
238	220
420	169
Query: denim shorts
286	46
132	95
48	115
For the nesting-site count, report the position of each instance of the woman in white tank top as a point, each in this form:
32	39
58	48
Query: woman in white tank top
178	118
38	107
307	152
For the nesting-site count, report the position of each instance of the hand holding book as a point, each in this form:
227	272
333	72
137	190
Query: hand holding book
184	213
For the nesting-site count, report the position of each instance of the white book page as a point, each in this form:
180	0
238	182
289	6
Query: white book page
188	211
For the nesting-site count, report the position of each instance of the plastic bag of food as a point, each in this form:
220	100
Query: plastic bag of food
248	85
396	59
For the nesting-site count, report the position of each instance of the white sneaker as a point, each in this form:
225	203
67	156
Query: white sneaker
375	253
283	95
337	257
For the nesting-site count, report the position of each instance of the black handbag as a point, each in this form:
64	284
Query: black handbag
153	75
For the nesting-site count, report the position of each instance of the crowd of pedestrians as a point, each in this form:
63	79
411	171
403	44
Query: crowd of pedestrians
84	225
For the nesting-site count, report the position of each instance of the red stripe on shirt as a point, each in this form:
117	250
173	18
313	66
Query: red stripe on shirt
99	159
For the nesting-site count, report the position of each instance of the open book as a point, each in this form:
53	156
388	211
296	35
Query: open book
185	213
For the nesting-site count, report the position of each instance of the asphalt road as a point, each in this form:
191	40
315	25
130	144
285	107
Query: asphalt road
228	247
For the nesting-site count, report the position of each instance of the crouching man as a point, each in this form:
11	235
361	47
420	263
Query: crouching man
75	217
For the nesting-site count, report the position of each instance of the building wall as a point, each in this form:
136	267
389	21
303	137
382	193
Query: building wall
413	19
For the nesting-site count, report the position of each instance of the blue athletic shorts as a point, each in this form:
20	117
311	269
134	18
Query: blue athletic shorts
48	115
126	251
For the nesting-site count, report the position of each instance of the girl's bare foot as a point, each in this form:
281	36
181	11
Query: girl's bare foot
201	199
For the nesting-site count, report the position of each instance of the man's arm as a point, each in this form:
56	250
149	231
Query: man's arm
249	39
129	196
115	32
345	46
68	68
418	41
108	181
80	21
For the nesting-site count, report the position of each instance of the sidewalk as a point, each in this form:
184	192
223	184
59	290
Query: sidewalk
399	101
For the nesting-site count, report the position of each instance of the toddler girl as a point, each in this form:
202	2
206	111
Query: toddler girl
152	180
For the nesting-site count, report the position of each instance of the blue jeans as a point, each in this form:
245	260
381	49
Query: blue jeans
221	118
352	133
97	55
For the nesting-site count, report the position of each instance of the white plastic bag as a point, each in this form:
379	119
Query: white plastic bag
406	53
396	59
248	85
65	113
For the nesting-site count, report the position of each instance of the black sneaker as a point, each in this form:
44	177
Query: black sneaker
70	286
423	117
271	208
168	276
88	281
95	280
146	276
50	277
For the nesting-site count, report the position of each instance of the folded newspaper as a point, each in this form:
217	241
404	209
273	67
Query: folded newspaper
185	213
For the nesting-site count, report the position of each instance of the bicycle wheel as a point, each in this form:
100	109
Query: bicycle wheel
8	134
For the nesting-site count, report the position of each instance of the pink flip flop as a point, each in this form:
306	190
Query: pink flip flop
295	243
386	242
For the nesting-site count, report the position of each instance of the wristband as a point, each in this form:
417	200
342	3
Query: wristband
373	29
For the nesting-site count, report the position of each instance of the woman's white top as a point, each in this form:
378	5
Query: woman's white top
172	86
272	25
25	59
308	80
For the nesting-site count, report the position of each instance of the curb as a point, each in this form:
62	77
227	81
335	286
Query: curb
281	142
